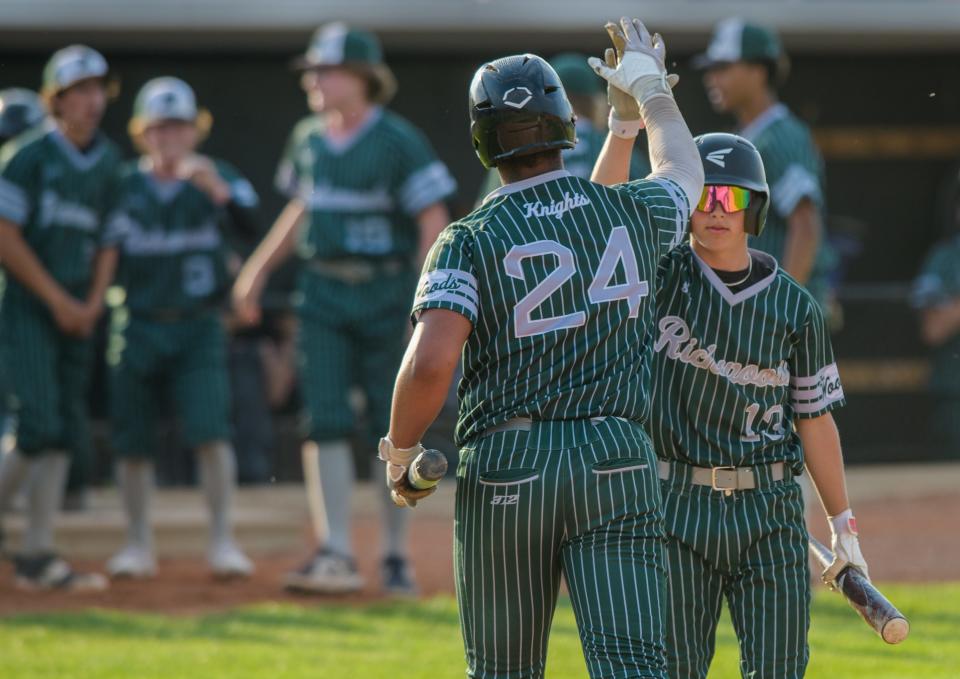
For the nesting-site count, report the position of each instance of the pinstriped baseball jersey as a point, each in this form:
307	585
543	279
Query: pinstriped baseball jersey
557	276
732	371
173	253
939	284
362	196
61	199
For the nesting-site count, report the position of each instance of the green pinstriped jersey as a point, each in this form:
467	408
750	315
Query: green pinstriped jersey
939	284
733	370
173	255
794	171
362	195
579	160
62	200
556	274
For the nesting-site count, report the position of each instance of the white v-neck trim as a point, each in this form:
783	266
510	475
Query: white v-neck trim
81	161
164	190
734	298
340	146
763	121
513	187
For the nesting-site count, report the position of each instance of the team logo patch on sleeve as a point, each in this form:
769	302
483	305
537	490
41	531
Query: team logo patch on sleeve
812	394
448	288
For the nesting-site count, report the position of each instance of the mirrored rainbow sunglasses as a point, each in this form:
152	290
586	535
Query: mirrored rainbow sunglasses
731	198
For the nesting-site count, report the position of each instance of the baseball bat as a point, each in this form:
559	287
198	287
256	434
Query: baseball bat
427	469
875	609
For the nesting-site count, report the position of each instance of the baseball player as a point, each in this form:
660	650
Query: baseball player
547	289
20	110
744	382
366	202
58	248
585	92
743	66
167	336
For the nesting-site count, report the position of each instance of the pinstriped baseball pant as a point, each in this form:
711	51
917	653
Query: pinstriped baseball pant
570	498
749	548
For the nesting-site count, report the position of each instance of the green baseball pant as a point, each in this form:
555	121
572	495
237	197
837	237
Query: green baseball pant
575	498
184	360
749	548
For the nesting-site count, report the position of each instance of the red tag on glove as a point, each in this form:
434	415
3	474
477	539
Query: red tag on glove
852	525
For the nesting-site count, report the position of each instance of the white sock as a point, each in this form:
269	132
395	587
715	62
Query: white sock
336	483
395	525
218	478
48	480
13	470
136	480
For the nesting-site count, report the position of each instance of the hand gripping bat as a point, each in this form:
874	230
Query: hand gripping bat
875	609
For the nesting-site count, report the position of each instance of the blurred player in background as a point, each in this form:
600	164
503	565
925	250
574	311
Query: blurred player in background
545	292
58	247
936	295
167	340
366	203
743	374
586	92
744	65
20	110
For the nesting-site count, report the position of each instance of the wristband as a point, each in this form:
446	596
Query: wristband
625	129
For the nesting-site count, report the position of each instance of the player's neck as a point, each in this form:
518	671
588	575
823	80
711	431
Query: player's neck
78	137
754	107
161	168
515	172
729	259
343	121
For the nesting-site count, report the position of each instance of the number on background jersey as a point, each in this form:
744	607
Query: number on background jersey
619	249
773	418
199	279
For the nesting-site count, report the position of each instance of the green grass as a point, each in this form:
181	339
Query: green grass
420	640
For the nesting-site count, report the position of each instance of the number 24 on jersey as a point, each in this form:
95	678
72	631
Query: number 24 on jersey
619	249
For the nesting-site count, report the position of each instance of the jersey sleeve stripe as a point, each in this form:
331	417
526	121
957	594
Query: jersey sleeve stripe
426	187
794	184
286	180
117	228
447	289
14	205
813	394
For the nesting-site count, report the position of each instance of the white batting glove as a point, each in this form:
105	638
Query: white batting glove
845	544
639	57
398	461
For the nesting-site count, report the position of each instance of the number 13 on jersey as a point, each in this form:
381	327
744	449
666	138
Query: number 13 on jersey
619	249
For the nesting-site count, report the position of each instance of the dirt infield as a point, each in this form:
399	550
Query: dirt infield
904	539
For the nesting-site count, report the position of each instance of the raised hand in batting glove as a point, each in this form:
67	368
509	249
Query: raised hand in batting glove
638	55
398	461
845	544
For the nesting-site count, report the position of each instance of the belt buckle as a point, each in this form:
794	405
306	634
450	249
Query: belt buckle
713	479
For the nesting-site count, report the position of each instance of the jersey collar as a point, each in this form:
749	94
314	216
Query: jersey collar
764	120
513	187
81	161
164	190
735	298
343	144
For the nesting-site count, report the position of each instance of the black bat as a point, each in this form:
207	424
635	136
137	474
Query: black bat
875	609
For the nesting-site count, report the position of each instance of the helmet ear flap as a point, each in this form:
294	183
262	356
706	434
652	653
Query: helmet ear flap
756	214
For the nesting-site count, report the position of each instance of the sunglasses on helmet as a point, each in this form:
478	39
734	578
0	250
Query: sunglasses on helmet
731	198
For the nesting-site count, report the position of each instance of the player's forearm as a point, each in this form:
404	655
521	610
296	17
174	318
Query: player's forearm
613	163
22	263
104	268
673	153
431	221
804	231
280	242
939	324
824	460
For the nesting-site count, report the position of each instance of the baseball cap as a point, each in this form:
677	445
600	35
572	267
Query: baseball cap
336	44
737	40
70	65
167	98
576	75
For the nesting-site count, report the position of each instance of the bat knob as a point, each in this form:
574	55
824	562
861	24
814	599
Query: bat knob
895	631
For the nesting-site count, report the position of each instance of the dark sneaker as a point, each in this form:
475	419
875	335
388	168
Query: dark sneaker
398	576
325	573
49	571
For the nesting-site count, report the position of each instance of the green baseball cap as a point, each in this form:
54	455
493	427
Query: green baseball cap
737	40
70	65
577	77
338	45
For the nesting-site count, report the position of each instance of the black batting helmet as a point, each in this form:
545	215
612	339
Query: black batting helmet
518	107
20	110
731	160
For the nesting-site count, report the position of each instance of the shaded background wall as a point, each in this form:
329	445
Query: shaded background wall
888	120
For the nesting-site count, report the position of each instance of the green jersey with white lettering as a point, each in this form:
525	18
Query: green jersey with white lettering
173	255
794	171
62	199
557	276
362	194
733	370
